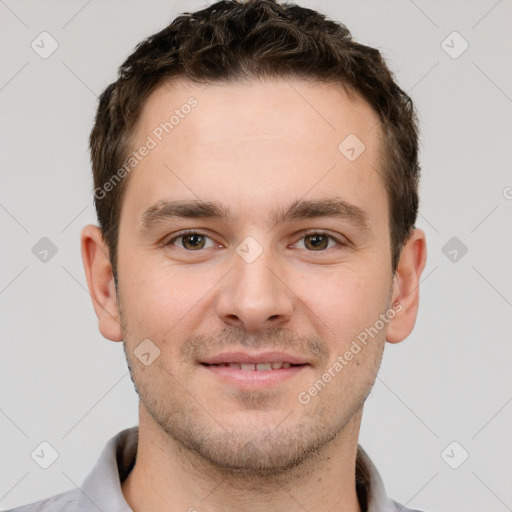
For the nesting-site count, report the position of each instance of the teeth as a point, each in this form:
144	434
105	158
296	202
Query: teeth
261	367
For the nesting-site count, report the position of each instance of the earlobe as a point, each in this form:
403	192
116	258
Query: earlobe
406	287
100	281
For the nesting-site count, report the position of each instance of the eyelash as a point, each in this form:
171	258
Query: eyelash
339	241
183	234
305	234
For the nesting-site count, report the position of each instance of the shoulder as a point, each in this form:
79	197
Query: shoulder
65	501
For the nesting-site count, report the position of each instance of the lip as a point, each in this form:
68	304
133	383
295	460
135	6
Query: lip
251	380
254	358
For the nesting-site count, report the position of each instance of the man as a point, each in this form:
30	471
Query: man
256	183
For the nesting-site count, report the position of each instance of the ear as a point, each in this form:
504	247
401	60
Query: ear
100	280
406	291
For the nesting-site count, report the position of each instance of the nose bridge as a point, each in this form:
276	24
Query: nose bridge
255	296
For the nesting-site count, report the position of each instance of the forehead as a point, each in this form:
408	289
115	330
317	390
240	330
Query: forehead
258	139
312	111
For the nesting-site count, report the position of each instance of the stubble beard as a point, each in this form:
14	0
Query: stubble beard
244	452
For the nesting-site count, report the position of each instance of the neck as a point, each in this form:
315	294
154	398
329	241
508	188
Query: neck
167	476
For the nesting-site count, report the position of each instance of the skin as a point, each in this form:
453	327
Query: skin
252	147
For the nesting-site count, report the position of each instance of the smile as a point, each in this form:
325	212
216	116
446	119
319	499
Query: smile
259	367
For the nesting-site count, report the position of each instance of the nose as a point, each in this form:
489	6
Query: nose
255	296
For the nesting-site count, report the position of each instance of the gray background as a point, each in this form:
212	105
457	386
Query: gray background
450	381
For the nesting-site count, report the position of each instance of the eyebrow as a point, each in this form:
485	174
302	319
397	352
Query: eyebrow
164	210
298	210
336	208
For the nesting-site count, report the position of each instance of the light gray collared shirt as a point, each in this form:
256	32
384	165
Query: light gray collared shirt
101	490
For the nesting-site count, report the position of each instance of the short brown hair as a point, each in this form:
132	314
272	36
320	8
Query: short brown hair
234	40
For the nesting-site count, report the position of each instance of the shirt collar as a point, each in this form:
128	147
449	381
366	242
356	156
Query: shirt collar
102	487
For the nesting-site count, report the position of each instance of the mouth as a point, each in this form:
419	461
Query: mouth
256	367
254	371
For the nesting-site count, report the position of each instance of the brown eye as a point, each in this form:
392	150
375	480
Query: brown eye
191	241
316	242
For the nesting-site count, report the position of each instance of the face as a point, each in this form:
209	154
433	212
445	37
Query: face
254	254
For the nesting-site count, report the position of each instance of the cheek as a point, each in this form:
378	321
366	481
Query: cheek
159	298
343	300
